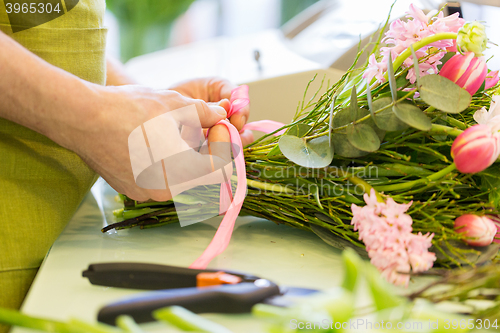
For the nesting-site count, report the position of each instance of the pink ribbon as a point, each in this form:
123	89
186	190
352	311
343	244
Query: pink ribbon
266	126
223	235
229	204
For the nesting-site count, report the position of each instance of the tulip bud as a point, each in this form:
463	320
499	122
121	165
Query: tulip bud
466	71
472	38
475	149
479	230
496	220
491	79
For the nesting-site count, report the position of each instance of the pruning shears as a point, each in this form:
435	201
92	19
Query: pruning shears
198	290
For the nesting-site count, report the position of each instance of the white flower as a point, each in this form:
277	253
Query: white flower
490	117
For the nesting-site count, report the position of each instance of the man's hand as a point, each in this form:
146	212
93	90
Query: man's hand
103	141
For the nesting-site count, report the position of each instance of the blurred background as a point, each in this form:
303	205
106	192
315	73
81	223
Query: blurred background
249	40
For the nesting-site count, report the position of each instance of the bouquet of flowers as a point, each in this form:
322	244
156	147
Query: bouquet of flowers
396	159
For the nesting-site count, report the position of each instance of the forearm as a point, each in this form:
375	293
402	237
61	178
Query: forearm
116	74
40	96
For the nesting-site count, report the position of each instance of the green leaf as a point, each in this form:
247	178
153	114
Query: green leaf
443	94
351	262
386	119
299	130
341	144
275	151
392	78
445	59
363	137
353	106
415	64
382	292
412	115
315	153
187	320
330	119
128	324
490	181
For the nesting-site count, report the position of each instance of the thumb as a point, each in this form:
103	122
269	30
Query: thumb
209	114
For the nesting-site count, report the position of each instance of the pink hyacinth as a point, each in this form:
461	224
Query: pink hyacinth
402	34
387	233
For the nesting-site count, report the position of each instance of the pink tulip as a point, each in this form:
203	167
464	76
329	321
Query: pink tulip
491	79
475	149
468	71
496	221
478	230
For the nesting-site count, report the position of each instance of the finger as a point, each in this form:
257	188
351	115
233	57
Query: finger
239	119
190	168
209	114
193	136
160	195
225	103
220	89
247	137
203	114
219	144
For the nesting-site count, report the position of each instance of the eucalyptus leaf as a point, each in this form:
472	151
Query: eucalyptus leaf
363	137
315	153
443	94
392	78
412	115
299	130
340	142
386	119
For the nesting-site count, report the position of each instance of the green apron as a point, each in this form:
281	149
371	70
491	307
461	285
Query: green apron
41	183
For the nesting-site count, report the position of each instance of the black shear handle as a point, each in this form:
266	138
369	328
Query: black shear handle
148	276
236	298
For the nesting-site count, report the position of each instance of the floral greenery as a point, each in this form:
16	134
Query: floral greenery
145	19
410	164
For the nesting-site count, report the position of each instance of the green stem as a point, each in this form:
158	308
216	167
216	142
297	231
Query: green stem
365	186
187	320
274	188
14	318
456	123
418	45
441	129
409	185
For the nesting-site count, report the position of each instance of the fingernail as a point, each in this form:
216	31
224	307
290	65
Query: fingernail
220	110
